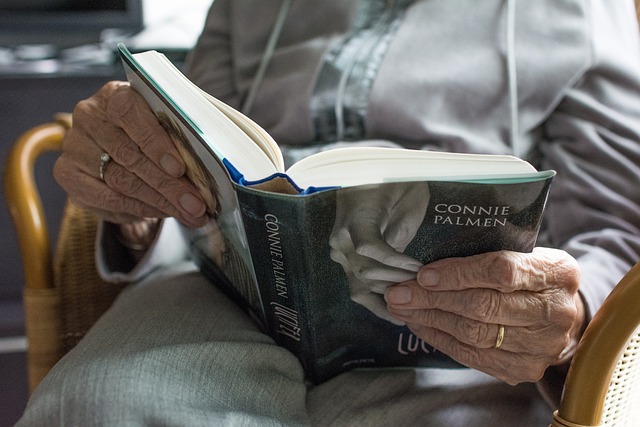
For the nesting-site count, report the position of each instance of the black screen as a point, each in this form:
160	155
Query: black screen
65	22
61	5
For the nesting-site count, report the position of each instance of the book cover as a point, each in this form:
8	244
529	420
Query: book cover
312	267
324	260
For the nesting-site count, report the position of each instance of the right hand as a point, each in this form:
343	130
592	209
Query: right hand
145	177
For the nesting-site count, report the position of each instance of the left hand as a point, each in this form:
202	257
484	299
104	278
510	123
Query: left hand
458	304
145	177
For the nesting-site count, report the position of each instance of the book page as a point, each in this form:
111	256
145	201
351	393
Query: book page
251	156
345	167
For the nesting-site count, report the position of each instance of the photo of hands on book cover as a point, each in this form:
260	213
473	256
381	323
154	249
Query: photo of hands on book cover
310	251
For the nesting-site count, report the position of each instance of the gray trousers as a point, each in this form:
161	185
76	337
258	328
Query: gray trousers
175	351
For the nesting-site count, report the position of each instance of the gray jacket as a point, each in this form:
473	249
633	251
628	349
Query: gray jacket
554	81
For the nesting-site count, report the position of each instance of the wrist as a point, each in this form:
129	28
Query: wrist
137	236
130	244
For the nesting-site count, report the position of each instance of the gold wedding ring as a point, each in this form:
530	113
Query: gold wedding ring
500	336
105	158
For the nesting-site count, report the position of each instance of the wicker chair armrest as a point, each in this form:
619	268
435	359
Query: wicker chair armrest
24	202
608	348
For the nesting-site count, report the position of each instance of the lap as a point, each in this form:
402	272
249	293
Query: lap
425	397
175	351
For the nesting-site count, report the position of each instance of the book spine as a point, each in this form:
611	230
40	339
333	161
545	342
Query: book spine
274	227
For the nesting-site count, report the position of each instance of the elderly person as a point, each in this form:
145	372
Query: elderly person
556	82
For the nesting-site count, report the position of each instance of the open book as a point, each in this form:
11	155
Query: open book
310	250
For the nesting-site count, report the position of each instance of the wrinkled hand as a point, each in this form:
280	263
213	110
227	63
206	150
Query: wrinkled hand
458	304
144	179
370	233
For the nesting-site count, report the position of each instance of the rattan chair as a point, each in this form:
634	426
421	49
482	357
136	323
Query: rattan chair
63	295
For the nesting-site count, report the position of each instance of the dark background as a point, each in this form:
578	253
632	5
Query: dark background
26	101
42	72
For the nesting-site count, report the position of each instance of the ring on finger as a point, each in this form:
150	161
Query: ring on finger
105	158
499	337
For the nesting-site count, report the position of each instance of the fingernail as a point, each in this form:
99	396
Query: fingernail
192	204
171	165
398	294
429	277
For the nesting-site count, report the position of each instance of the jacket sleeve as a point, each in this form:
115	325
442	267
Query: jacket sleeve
593	141
209	64
115	265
